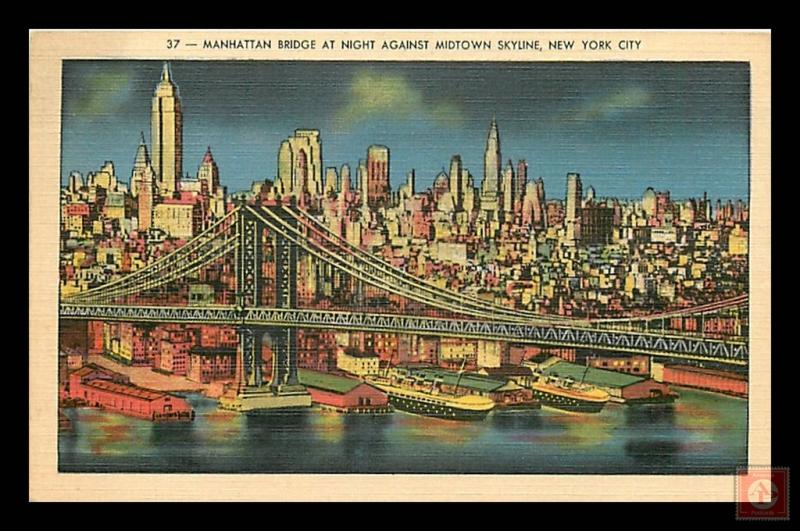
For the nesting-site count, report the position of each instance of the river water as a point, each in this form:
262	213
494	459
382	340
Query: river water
702	433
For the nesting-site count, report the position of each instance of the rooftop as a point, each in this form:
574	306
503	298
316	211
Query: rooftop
93	367
126	390
354	353
564	369
507	370
327	381
212	350
711	372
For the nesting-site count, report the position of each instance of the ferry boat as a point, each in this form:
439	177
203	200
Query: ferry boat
568	395
433	403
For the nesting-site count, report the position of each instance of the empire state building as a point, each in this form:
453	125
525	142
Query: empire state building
166	134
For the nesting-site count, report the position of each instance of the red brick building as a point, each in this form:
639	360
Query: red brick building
709	379
316	349
217	336
174	356
209	364
100	387
134	344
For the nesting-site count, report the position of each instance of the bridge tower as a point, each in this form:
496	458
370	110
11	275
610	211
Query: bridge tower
284	389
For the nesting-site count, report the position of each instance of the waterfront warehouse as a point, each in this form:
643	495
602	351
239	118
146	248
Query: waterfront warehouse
99	387
343	394
728	382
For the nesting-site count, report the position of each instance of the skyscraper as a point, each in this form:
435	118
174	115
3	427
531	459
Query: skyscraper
573	205
344	197
508	190
456	184
142	182
378	189
208	172
520	181
529	205
490	187
540	202
345	178
331	180
300	164
166	134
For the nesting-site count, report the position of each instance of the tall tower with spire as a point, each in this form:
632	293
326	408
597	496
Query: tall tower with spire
166	134
142	186
490	187
209	172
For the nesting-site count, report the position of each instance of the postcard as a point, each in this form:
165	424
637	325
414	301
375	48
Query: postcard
399	265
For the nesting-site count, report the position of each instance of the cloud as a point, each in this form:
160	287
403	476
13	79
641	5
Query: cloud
392	96
613	105
103	92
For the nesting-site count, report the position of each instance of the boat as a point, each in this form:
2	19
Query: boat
655	399
569	395
433	403
520	405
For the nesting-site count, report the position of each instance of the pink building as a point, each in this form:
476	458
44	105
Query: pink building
100	387
174	356
211	364
343	394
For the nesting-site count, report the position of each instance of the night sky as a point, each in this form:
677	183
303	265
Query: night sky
622	126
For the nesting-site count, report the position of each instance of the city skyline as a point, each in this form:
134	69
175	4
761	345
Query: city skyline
636	109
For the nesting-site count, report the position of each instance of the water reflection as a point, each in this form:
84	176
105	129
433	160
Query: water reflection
701	432
653	452
412	429
516	420
650	415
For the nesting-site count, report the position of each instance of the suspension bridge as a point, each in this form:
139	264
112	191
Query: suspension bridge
254	256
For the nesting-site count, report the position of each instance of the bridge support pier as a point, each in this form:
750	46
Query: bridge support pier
284	389
284	361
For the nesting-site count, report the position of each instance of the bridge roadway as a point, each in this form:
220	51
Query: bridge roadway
731	351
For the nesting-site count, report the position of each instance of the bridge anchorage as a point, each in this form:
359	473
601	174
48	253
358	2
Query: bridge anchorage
263	250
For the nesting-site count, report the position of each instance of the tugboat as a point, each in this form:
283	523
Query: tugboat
432	402
568	395
656	398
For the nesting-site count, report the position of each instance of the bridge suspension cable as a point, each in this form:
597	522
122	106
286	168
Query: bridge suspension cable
351	265
194	255
518	315
459	298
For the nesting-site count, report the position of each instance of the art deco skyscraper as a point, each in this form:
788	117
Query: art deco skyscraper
573	205
491	165
166	134
300	164
208	172
142	186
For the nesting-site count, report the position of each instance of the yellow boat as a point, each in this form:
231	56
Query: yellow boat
434	403
569	396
